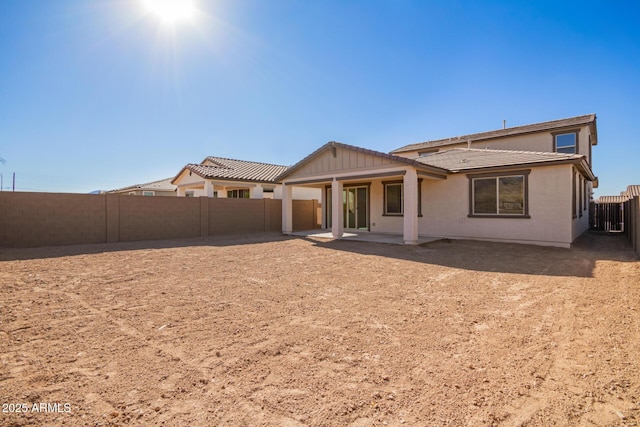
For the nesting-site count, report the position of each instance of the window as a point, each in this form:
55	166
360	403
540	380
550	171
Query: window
394	198
427	152
188	193
580	203
238	194
148	193
573	195
565	142
499	195
215	194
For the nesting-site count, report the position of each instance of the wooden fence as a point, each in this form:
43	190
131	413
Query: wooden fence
632	222
49	219
606	216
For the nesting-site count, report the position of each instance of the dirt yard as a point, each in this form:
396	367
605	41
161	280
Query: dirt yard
275	331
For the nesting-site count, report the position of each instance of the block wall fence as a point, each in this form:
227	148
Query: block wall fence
49	219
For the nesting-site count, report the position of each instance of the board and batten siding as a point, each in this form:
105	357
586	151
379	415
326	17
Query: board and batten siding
344	160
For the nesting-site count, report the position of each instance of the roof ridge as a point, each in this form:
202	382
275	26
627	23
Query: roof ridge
507	131
244	161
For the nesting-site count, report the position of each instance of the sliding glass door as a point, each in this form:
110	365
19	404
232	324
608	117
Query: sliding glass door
355	207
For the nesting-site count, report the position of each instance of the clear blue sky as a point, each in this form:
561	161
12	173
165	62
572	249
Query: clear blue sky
98	94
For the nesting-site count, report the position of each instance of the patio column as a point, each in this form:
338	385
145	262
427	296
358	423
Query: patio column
323	203
337	213
287	209
208	188
256	192
411	207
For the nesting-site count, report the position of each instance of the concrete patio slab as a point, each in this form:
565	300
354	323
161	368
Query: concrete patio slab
363	236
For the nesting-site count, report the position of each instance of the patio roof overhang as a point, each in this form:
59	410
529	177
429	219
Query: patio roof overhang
352	176
387	165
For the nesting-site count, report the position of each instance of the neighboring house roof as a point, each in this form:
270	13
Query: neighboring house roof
235	170
633	191
589	119
464	159
332	144
612	199
160	185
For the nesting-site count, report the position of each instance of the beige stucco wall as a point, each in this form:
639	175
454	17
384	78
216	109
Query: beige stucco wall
549	207
580	224
543	142
445	209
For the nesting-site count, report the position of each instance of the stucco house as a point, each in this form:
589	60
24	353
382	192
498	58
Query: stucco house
527	184
162	187
231	178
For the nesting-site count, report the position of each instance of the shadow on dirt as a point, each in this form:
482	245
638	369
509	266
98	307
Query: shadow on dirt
579	261
13	254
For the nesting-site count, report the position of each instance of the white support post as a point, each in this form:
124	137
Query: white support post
208	188
323	203
337	214
411	207
256	192
287	209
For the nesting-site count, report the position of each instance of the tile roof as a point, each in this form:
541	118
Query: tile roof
612	199
464	159
237	170
160	185
500	133
633	190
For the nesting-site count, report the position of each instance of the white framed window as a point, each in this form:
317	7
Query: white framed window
238	194
189	193
148	193
393	198
565	142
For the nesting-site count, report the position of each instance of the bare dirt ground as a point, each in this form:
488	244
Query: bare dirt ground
274	331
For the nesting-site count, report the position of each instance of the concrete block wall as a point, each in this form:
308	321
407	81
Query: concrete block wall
150	218
229	215
48	219
305	214
44	219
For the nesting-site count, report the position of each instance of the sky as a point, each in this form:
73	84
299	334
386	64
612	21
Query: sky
101	94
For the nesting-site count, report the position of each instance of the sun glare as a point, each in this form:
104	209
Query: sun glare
171	12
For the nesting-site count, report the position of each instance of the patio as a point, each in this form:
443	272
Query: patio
363	236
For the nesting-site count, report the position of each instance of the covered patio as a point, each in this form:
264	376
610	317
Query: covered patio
366	195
